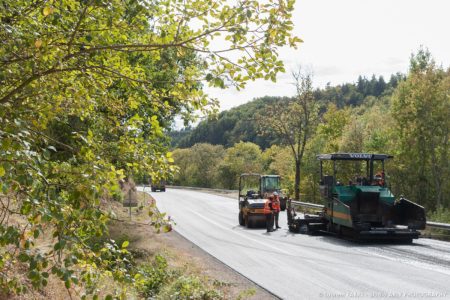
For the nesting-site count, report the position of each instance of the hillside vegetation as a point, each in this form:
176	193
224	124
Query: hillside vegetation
407	117
238	124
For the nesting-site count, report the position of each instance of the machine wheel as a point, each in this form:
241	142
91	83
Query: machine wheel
339	231
303	229
330	227
248	222
407	242
293	228
163	190
153	190
283	205
241	219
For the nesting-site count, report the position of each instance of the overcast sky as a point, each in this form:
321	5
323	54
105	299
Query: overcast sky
347	38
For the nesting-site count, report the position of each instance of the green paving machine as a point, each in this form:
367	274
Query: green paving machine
358	202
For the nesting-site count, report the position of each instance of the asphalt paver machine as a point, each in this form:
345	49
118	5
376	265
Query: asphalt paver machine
358	202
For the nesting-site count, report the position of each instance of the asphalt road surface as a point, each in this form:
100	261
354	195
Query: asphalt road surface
296	266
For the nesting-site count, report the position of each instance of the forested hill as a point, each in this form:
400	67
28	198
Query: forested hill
231	126
238	124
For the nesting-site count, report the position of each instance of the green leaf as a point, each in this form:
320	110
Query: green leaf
23	257
125	244
167	228
58	246
2	171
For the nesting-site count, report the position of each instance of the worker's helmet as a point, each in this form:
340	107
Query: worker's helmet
275	194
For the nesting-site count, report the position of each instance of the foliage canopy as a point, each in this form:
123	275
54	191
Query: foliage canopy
87	90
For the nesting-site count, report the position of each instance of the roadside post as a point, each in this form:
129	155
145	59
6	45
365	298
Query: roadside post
130	201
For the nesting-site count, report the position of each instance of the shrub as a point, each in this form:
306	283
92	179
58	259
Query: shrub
189	287
153	276
440	215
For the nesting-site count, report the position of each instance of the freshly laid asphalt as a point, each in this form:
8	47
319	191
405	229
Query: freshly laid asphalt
296	266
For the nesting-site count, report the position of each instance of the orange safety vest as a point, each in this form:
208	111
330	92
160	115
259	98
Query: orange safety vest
276	204
380	181
267	209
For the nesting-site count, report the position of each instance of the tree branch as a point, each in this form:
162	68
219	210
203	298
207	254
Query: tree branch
77	26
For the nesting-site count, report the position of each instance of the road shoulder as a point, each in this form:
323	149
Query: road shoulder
183	254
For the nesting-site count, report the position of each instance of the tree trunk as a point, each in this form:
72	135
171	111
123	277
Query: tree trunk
297	181
435	170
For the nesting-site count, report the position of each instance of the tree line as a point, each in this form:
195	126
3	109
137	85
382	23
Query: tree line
409	121
238	124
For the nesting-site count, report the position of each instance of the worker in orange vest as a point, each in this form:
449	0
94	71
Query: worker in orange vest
268	212
378	179
276	209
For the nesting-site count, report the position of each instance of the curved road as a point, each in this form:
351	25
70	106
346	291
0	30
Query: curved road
295	266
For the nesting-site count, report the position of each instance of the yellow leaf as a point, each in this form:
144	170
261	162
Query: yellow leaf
133	104
37	219
38	43
2	171
47	10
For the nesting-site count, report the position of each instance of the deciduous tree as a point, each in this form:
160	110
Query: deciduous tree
87	90
198	165
295	123
421	108
243	157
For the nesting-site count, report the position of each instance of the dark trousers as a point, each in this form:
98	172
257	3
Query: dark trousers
269	222
277	215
